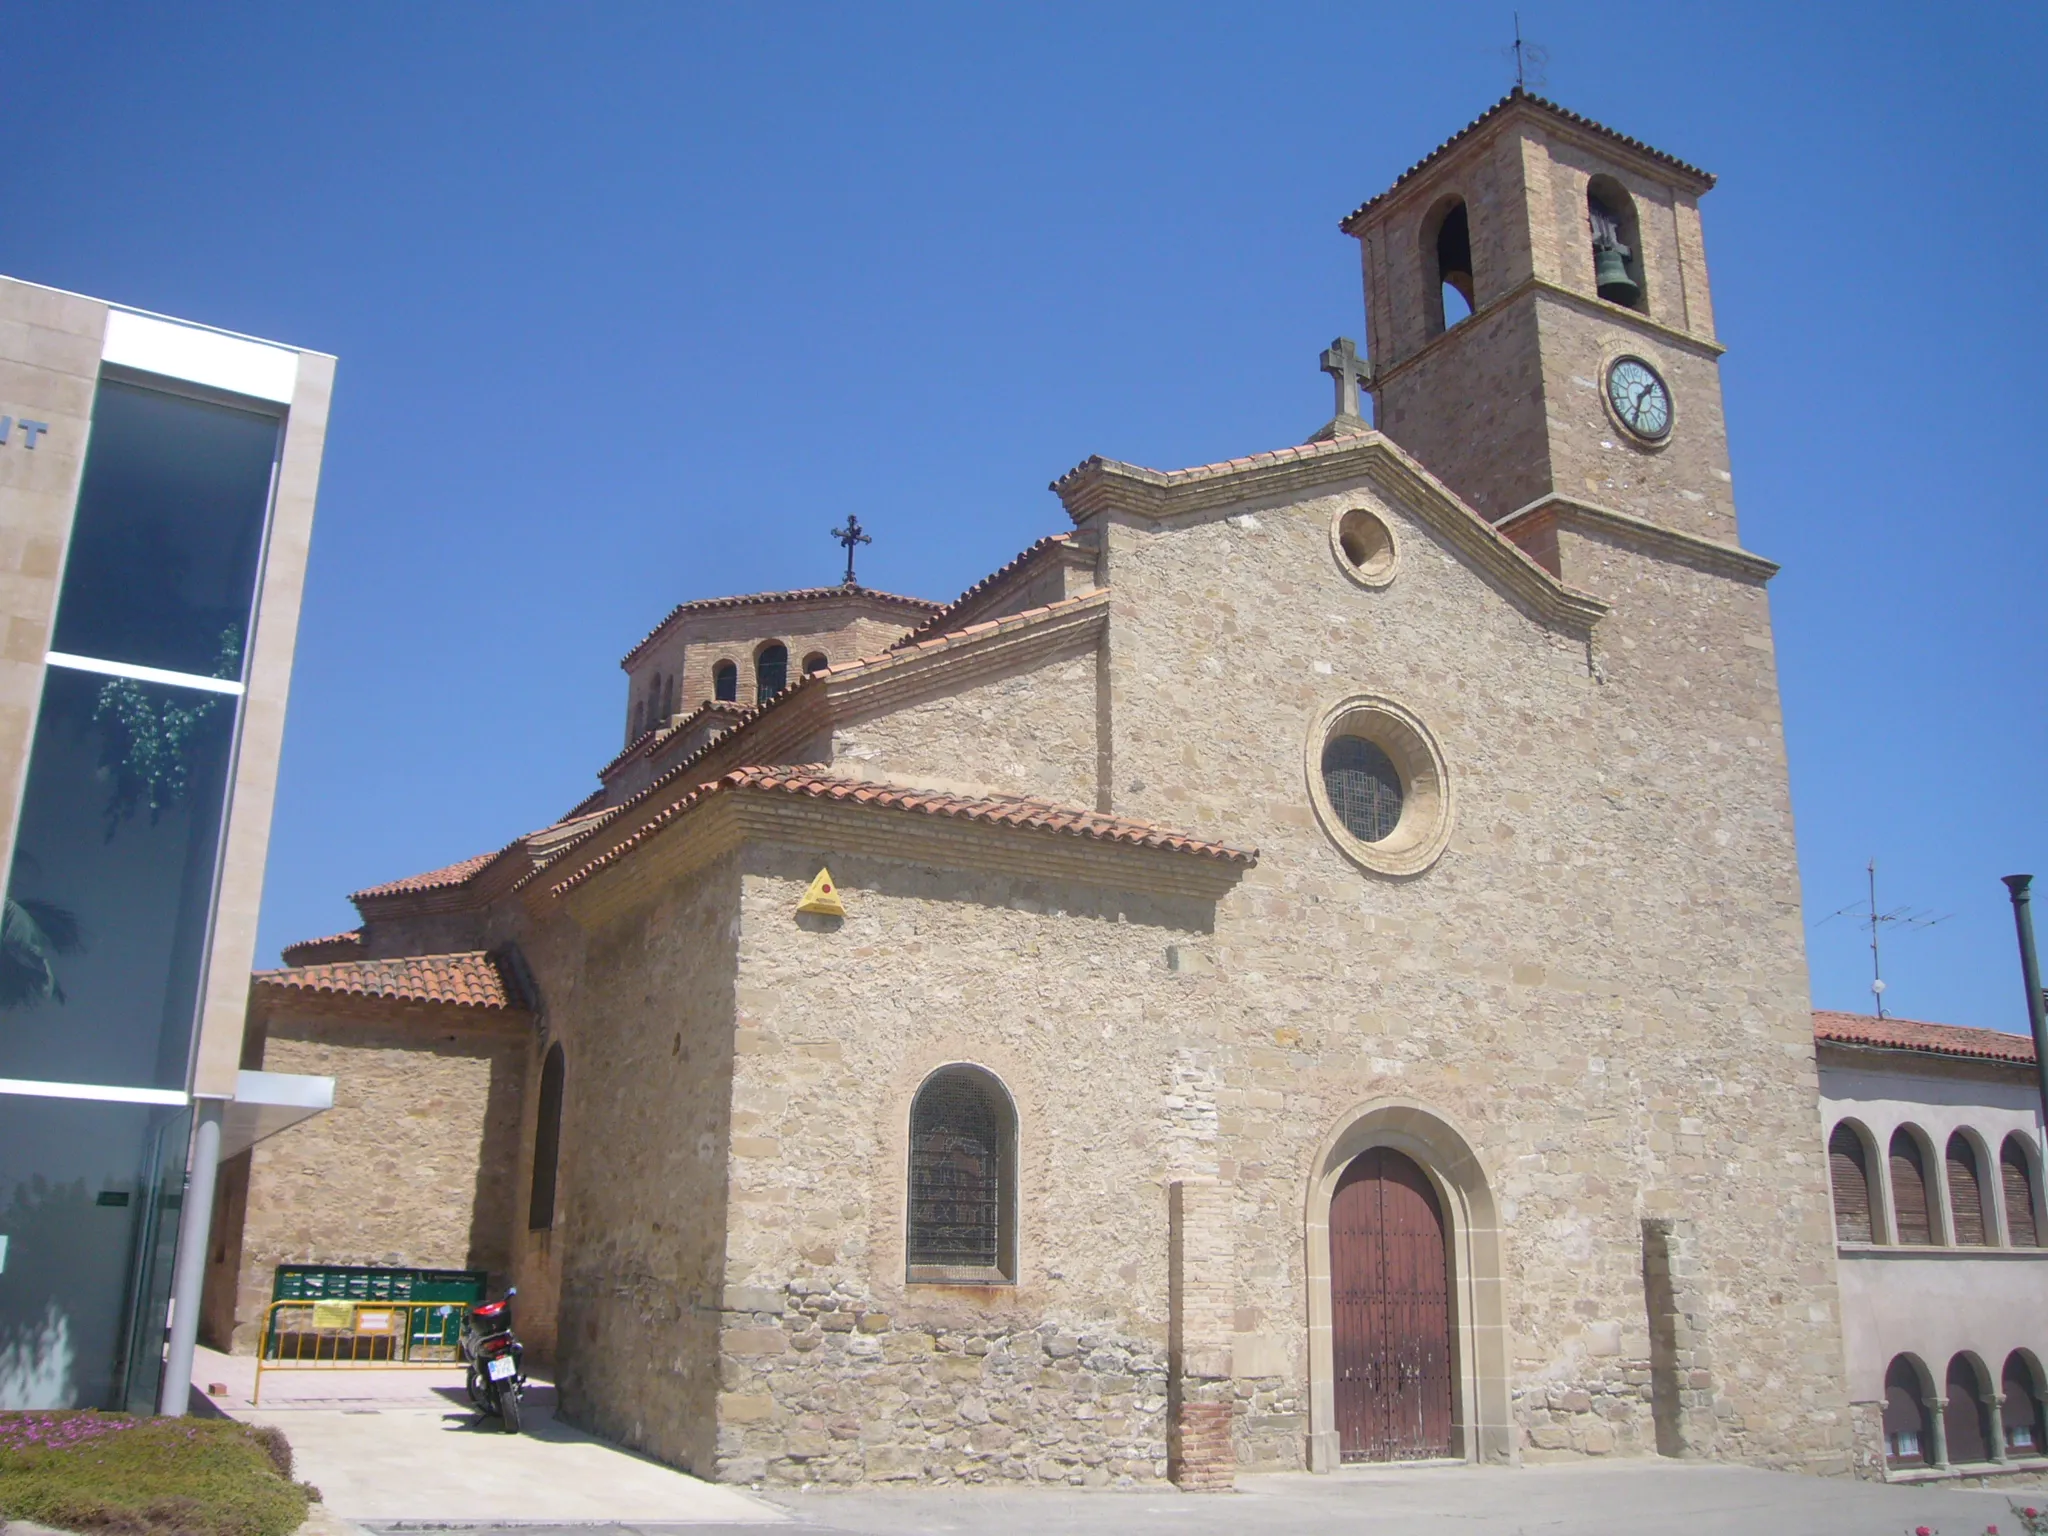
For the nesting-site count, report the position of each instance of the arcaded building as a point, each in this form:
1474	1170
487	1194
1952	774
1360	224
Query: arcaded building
1313	970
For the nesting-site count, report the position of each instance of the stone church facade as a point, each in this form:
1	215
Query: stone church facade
1321	972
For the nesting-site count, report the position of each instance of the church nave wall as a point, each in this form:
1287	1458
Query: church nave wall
643	1008
1028	732
835	1367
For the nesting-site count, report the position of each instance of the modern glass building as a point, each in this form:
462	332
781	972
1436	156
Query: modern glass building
156	498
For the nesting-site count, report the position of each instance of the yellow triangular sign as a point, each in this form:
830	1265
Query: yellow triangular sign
822	897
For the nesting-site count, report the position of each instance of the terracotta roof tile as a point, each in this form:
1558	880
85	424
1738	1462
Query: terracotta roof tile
812	781
1512	97
432	880
938	621
709	707
468	980
769	599
333	946
1911	1035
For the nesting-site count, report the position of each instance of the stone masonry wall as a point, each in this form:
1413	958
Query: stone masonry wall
1602	978
644	1011
416	1164
834	1369
1028	733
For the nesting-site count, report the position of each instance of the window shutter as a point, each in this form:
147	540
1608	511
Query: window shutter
1965	1194
1909	1192
2019	1198
1846	1166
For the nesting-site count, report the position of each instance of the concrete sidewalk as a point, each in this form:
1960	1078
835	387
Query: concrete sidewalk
1610	1499
405	1446
1641	1498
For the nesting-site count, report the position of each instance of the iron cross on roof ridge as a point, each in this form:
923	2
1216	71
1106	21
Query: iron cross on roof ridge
850	536
1341	362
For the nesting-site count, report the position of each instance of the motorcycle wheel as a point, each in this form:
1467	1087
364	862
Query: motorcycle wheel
508	1406
480	1394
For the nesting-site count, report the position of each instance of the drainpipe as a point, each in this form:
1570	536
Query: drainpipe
2021	887
189	1275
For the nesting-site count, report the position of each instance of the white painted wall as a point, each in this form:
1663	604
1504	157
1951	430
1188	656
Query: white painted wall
1937	1302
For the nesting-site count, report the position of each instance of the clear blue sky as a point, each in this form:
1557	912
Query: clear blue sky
633	302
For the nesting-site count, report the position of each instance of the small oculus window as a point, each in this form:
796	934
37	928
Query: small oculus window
1364	545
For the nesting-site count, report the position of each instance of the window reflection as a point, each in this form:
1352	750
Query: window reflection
106	915
164	549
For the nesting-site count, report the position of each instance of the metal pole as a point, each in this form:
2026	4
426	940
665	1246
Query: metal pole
189	1276
2021	887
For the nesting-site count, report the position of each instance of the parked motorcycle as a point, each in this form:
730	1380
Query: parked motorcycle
497	1375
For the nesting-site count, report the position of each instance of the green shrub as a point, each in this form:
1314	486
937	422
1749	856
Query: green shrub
105	1472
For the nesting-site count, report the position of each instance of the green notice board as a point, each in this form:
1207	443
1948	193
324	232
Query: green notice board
460	1288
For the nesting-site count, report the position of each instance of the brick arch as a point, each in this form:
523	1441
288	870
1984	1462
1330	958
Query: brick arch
1481	1411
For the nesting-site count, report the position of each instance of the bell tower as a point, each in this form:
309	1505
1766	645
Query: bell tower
1540	326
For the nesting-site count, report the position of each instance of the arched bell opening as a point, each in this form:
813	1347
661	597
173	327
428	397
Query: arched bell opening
1448	286
1411	1360
1617	244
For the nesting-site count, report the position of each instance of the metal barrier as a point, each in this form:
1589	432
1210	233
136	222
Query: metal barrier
335	1335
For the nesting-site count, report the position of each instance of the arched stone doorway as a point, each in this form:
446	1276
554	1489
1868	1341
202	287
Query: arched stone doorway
1390	1303
1442	1224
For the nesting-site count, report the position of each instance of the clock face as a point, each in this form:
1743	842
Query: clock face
1640	398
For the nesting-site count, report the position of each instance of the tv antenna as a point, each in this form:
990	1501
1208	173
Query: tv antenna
1530	61
1898	917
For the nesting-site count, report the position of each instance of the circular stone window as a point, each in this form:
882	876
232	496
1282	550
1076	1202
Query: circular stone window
1364	545
1379	786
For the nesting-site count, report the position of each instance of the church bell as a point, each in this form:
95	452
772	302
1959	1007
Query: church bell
1610	274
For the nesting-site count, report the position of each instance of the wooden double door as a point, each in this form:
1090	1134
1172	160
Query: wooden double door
1390	1311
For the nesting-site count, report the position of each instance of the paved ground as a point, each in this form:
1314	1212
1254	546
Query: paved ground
405	1446
1620	1499
397	1452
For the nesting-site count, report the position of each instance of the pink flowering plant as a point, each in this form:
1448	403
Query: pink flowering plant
111	1475
2033	1522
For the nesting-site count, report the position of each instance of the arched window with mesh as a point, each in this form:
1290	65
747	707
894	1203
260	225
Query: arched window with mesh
815	662
771	671
963	1181
1915	1220
1849	1169
725	682
547	1143
2016	1171
1364	787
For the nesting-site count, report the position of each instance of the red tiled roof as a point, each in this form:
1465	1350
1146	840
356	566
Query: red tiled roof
432	880
811	781
768	599
939	620
468	980
681	723
1911	1035
333	946
1512	97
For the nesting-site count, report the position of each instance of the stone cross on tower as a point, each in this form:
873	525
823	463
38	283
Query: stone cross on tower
1341	362
850	535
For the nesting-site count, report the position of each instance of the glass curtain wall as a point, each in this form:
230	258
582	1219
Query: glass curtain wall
110	899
